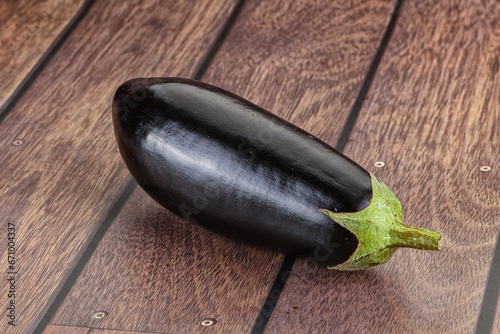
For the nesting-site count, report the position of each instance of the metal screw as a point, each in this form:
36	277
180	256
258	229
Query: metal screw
100	314
208	322
379	164
485	168
17	142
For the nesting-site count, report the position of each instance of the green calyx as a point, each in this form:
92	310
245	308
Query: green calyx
380	230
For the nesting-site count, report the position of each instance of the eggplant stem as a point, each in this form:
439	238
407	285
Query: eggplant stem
415	237
380	230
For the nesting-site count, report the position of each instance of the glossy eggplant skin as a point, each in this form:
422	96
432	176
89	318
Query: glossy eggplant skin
237	170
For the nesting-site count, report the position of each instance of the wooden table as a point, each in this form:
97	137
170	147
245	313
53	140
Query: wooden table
414	84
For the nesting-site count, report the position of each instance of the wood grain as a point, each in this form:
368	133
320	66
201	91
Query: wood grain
111	331
57	329
53	329
432	116
27	29
153	272
58	186
496	323
302	60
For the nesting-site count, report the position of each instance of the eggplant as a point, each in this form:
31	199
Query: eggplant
235	169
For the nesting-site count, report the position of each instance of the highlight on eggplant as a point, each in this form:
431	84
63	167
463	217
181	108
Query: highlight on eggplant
235	169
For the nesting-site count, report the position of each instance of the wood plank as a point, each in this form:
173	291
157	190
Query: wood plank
112	331
303	60
27	30
58	186
496	322
433	117
54	329
58	329
489	318
157	273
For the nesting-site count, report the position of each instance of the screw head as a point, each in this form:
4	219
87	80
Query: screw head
208	322
379	164
100	314
485	168
17	142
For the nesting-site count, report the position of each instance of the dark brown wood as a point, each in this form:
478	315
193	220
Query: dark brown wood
489	296
154	272
54	329
27	29
57	329
60	183
302	60
111	331
496	323
432	116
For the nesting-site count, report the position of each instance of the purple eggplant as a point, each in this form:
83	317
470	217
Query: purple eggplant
237	170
